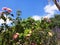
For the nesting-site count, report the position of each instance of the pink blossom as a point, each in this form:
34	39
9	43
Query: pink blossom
49	20
32	43
9	10
4	8
16	35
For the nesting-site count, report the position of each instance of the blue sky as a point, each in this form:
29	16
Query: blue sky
31	8
28	7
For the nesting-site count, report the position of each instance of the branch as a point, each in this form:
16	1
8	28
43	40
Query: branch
56	3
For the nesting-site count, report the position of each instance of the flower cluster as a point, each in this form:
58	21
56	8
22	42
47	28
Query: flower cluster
7	9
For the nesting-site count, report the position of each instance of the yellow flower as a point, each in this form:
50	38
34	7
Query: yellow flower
50	33
28	35
30	32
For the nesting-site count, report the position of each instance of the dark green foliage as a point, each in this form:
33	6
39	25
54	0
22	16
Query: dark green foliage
56	20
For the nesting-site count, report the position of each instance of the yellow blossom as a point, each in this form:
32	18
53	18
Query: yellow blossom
50	33
28	35
30	32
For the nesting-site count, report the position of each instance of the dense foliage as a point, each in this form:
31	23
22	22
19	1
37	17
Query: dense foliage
26	31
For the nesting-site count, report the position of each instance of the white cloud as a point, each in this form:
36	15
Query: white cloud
50	10
36	17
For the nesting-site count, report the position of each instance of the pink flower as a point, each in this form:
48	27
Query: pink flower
32	43
9	10
4	8
49	21
16	35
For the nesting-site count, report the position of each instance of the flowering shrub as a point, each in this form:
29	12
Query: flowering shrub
25	32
